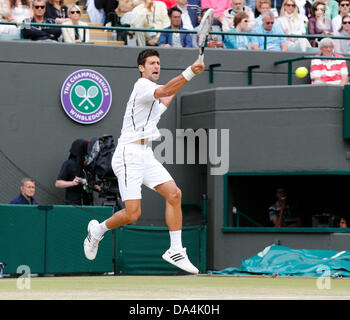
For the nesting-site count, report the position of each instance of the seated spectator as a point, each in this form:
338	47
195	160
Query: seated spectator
318	23
55	9
343	45
219	6
172	39
344	6
324	71
27	193
41	33
281	213
240	23
276	6
263	6
268	27
332	9
343	222
189	16
8	31
75	35
293	23
153	15
213	40
20	10
229	14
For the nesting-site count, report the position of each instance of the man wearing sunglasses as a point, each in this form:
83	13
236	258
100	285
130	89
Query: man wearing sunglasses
36	33
268	26
344	6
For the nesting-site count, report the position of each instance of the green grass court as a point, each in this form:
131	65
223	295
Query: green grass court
202	287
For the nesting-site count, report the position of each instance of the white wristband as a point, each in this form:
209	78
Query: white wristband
188	74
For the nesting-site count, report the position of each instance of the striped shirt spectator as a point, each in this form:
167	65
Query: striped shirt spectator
323	71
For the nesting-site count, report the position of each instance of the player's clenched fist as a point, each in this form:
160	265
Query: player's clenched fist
197	67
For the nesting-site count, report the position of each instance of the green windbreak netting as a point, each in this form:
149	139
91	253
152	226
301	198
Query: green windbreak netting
283	261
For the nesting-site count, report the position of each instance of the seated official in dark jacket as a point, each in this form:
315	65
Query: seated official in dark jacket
41	33
27	192
174	39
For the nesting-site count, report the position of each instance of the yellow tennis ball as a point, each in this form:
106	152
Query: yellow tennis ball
301	72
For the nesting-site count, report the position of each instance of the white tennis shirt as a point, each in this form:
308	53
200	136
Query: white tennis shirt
142	113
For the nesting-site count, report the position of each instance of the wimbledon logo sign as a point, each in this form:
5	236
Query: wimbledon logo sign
86	96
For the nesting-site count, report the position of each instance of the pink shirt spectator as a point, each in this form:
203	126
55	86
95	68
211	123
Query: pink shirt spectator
219	6
330	71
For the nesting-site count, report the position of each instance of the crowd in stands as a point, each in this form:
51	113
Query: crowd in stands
289	17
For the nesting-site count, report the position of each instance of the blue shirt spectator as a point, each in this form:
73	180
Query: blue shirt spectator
27	193
240	42
175	39
167	38
237	41
268	26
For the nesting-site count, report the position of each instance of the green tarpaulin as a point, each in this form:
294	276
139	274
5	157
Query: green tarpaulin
283	261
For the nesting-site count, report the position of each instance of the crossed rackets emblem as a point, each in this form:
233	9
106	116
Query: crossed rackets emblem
88	94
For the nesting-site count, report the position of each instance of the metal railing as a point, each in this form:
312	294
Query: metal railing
266	36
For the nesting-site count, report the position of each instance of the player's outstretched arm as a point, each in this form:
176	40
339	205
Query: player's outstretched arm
176	84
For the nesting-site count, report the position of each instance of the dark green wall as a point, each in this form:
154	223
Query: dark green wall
49	239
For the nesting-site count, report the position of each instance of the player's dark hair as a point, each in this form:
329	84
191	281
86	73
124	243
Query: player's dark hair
143	55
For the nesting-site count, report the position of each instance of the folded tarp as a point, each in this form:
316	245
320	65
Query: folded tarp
283	261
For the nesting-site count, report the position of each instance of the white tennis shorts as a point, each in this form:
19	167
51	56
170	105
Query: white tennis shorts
134	165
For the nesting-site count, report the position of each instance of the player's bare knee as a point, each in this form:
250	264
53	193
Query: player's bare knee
133	215
175	196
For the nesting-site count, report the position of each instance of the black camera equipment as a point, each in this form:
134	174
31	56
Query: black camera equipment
98	170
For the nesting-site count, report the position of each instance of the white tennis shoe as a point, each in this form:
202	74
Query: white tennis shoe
179	259
90	242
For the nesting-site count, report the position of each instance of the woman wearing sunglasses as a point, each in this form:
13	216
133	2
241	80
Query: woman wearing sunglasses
319	24
75	35
291	22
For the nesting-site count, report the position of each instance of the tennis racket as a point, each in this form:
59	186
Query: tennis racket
203	31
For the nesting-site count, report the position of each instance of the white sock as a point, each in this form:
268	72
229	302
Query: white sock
175	240
99	230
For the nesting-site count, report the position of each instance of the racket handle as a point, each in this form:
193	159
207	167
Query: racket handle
201	58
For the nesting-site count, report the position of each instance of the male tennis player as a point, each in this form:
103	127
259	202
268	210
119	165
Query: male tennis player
134	163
